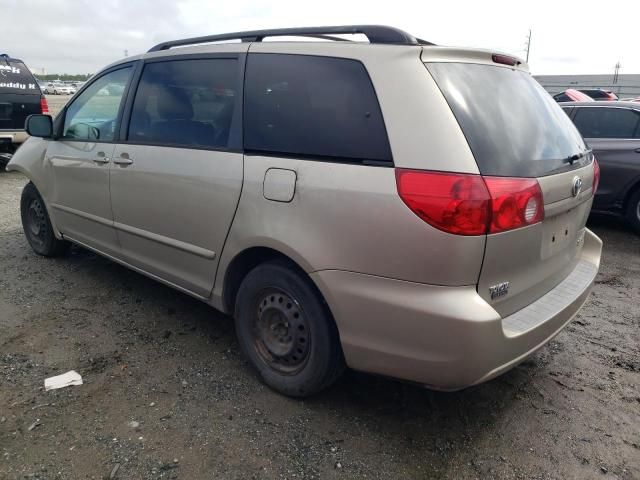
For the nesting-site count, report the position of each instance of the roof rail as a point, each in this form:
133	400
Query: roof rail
375	33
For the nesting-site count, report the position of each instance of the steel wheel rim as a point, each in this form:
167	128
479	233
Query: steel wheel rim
280	331
36	222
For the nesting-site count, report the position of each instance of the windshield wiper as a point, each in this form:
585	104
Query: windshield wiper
576	156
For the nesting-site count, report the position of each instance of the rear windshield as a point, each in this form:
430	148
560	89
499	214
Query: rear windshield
513	126
15	77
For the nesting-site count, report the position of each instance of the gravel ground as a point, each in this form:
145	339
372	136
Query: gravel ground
168	395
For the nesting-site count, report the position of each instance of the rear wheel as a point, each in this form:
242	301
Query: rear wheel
633	211
286	331
37	226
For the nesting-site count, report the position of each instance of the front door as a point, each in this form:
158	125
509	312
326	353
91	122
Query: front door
81	161
176	181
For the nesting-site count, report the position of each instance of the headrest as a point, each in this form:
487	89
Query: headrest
174	104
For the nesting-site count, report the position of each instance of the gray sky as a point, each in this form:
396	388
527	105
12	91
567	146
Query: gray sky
82	36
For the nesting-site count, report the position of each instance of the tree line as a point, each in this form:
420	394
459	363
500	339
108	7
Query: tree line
64	77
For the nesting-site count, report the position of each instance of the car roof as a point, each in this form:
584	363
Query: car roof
380	37
610	103
5	56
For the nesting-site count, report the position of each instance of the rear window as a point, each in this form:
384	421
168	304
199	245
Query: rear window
513	126
15	77
313	106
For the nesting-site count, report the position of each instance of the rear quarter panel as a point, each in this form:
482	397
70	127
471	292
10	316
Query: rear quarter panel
347	217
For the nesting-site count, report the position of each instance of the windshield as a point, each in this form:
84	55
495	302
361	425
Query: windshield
15	77
513	126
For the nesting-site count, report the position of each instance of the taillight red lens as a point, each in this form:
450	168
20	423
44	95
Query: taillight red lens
452	202
465	204
515	203
44	106
596	175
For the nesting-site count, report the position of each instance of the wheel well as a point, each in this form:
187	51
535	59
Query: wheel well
630	193
242	264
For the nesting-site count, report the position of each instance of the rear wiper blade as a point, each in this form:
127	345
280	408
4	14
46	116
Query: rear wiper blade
576	156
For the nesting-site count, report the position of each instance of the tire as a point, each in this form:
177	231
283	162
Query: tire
633	211
286	331
37	226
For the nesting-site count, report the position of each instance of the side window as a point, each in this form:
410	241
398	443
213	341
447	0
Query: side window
185	103
92	115
561	97
600	122
310	105
567	110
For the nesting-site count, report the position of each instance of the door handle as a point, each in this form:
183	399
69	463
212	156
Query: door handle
123	160
101	158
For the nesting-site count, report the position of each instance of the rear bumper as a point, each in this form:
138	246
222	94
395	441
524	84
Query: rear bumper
447	338
14	136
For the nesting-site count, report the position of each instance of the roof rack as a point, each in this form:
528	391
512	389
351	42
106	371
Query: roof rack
375	33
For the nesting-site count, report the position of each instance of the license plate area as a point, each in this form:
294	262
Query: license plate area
562	232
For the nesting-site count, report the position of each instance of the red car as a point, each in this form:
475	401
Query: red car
599	94
571	95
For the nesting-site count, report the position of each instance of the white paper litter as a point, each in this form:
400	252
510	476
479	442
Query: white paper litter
61	381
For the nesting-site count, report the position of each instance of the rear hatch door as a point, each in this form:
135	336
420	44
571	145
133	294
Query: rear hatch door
19	94
515	129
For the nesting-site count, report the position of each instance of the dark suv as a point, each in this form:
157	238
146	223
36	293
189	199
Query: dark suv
612	130
20	96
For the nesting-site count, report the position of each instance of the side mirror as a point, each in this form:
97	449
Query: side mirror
39	126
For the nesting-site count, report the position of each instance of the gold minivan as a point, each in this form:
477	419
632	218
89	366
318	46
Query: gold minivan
393	206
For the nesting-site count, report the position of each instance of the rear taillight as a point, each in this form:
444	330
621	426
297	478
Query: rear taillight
596	175
451	202
515	203
44	107
465	204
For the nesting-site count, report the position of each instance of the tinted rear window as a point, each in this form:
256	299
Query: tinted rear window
313	106
513	126
15	77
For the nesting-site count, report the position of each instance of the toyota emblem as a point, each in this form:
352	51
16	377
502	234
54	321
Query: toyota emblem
576	187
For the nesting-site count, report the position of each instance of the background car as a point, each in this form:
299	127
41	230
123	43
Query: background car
599	94
572	95
612	130
59	89
20	96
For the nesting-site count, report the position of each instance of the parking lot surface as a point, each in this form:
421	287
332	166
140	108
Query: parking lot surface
167	394
56	103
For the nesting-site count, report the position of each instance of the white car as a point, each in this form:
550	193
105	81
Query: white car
59	89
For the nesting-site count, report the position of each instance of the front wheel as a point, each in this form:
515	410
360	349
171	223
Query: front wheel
633	211
286	331
37	225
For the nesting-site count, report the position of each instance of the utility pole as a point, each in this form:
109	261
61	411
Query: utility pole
616	71
528	44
